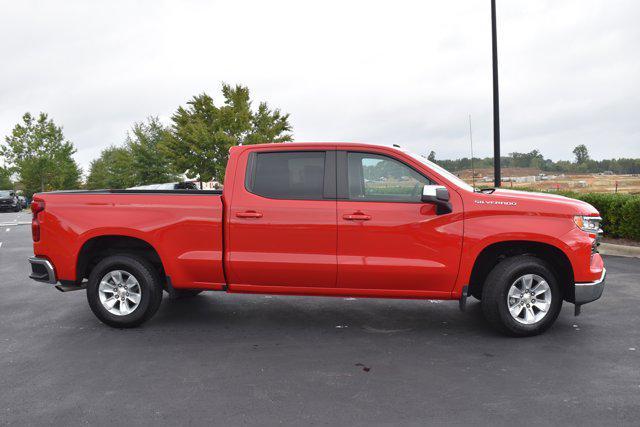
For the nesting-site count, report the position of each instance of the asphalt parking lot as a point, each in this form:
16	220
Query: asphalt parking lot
262	360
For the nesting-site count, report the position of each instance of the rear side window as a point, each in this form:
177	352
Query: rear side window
287	175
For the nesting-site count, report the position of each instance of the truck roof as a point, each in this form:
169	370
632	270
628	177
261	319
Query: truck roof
303	144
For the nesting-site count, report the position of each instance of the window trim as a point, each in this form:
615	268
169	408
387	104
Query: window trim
343	176
329	187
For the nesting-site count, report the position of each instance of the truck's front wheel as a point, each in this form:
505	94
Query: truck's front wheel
521	296
123	291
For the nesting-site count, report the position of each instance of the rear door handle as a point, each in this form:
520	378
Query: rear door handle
249	214
357	216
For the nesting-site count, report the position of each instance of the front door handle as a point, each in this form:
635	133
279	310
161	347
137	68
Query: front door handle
249	214
356	216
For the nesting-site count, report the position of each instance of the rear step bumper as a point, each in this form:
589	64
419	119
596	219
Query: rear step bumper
42	270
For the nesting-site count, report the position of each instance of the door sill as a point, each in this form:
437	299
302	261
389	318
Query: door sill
339	292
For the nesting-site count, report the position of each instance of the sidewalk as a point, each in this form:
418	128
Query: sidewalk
619	250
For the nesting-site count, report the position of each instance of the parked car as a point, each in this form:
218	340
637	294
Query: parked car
301	219
23	202
9	201
183	185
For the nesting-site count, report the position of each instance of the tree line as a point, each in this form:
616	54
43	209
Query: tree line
534	159
37	157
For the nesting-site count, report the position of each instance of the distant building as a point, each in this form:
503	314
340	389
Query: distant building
211	185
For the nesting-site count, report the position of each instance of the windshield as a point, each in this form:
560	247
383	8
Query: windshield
440	170
5	194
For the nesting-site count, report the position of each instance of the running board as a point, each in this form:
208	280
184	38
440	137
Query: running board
68	287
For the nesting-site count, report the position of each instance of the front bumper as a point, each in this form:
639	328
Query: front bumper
590	291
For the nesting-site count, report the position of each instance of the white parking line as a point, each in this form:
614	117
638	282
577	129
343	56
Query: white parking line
0	244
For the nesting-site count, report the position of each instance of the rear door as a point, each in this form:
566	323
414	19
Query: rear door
282	224
387	238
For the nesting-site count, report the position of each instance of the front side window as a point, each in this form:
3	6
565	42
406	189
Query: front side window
288	175
374	177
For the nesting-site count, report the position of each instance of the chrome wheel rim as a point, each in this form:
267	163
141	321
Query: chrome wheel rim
119	292
529	299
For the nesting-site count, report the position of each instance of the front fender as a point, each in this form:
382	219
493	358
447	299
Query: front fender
484	231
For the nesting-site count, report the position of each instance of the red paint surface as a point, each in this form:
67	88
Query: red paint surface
185	230
315	247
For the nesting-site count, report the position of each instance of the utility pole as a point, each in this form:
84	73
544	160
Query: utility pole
473	170
496	103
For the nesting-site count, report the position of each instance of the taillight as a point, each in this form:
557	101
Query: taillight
37	206
35	230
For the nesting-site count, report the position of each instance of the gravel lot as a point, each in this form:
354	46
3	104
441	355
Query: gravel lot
262	360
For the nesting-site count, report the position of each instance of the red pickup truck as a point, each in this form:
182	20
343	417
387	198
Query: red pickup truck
326	219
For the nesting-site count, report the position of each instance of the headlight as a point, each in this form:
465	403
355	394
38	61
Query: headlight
590	224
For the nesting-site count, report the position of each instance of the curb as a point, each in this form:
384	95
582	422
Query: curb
619	250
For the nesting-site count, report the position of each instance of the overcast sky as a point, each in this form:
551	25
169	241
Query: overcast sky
381	72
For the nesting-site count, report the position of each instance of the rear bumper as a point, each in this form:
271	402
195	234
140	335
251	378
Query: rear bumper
42	270
590	291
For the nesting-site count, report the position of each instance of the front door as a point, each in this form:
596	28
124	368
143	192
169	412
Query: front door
387	238
282	224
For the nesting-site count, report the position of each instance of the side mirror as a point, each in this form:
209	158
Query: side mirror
439	196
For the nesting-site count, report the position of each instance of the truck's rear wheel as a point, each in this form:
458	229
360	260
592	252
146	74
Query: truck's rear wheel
521	296
123	291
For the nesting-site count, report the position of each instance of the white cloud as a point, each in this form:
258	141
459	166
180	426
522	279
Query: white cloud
387	72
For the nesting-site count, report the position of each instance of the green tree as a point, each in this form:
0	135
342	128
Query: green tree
113	169
5	179
199	140
149	164
41	156
525	160
432	156
581	153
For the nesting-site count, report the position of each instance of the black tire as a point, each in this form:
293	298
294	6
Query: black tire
185	293
150	287
496	288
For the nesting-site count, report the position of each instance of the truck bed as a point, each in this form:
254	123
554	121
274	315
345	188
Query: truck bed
184	227
135	191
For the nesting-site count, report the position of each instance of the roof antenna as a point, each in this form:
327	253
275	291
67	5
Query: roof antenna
473	171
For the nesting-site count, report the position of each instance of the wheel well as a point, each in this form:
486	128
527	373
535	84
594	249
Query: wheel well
493	254
98	248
